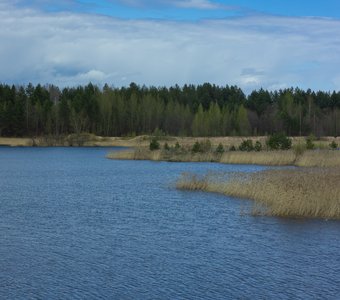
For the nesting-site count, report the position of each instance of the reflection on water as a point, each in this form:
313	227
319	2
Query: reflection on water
77	226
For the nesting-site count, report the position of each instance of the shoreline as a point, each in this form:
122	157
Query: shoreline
138	149
309	158
90	140
72	141
311	191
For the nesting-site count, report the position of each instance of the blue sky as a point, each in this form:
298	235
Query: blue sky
191	9
251	43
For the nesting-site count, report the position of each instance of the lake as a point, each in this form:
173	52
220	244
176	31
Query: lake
75	225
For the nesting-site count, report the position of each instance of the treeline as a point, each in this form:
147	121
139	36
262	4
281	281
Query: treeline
202	110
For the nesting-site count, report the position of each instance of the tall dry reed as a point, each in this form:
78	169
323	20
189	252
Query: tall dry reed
313	192
271	158
319	158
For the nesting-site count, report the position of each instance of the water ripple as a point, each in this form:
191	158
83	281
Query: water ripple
76	226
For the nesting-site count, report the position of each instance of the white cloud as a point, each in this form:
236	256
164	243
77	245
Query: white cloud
198	4
195	4
252	52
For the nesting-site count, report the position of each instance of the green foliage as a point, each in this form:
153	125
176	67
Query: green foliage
201	147
333	145
158	133
199	126
246	145
196	148
177	146
166	147
154	144
259	101
258	146
219	149
202	110
279	141
241	121
310	142
232	148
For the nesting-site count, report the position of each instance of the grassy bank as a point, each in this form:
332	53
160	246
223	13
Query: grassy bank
75	140
85	139
309	158
312	193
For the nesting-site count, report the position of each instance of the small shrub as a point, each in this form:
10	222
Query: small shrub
196	147
154	144
177	146
258	146
279	141
232	148
201	147
246	145
310	142
333	145
219	149
166	147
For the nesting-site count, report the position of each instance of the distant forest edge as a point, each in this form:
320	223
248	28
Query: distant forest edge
202	110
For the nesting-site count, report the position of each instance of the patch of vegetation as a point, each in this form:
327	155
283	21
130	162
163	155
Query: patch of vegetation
246	145
159	134
310	142
201	147
307	193
196	148
154	144
333	145
166	147
219	149
279	141
258	146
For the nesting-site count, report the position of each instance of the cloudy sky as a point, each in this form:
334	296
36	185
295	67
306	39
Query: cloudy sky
250	43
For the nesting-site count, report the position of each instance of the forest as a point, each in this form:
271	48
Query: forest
190	110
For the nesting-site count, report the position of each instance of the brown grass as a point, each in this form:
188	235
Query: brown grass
310	158
312	193
15	142
319	158
143	153
135	154
271	158
143	141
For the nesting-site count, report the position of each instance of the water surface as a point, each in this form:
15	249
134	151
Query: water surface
74	225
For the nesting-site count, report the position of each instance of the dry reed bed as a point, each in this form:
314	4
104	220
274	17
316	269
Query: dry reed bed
271	158
319	158
311	192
